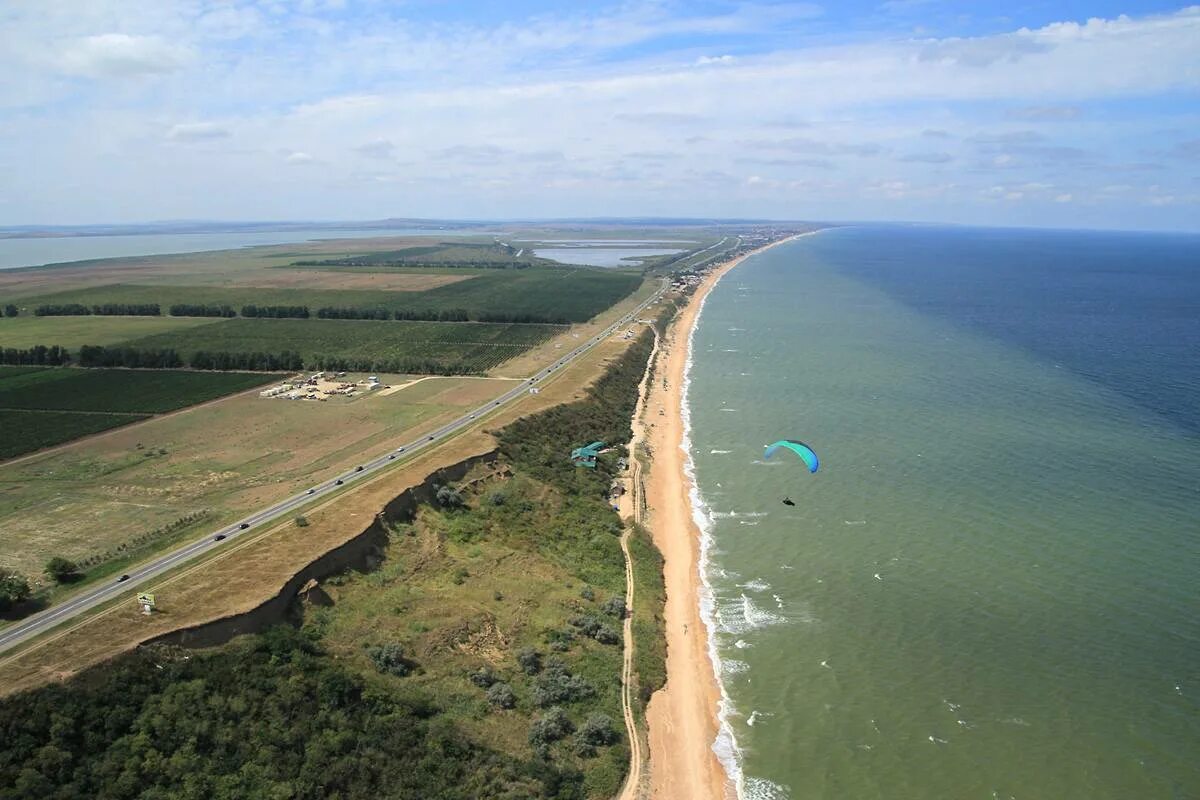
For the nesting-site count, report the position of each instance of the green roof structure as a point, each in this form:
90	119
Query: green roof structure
586	456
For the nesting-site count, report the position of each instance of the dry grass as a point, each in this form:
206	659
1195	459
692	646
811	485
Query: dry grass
228	457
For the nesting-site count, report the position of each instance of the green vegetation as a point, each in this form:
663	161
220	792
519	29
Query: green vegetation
38	355
273	716
14	589
546	295
27	431
44	407
469	255
73	332
468	664
61	570
429	347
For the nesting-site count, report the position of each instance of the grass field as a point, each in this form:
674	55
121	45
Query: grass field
71	332
474	346
222	460
549	295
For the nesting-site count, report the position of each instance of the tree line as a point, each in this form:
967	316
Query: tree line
275	312
39	356
192	310
291	312
257	361
100	309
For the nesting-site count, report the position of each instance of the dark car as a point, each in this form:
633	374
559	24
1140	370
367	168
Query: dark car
431	438
338	482
220	537
244	525
392	457
122	578
310	491
358	468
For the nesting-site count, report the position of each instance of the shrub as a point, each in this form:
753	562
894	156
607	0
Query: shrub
598	730
550	727
449	498
301	521
389	659
530	661
614	607
557	685
483	677
62	570
501	695
587	593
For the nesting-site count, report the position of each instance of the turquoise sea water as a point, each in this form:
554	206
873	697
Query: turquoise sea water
992	587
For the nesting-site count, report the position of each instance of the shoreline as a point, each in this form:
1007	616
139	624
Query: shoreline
685	717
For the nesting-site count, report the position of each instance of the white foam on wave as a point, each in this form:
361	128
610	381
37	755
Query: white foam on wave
763	789
725	747
755	585
720	452
734	514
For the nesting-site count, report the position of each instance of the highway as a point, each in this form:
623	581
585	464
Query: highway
110	589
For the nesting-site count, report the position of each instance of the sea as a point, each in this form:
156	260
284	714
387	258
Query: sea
991	587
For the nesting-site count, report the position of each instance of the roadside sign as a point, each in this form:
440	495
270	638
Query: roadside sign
146	600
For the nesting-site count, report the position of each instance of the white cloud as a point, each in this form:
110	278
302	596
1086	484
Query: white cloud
379	148
196	132
704	61
298	157
119	55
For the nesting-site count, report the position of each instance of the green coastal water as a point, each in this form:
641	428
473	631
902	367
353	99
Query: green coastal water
990	589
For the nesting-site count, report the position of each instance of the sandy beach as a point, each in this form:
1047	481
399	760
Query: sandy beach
682	717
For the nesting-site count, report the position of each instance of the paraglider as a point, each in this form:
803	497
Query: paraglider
806	453
787	501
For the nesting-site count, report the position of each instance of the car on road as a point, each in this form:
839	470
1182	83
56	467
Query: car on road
244	525
358	468
399	449
122	579
392	457
338	482
220	537
471	417
310	491
431	438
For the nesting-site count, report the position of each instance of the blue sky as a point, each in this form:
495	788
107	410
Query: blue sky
1071	114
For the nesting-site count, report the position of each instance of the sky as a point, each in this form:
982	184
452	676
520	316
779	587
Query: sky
1022	112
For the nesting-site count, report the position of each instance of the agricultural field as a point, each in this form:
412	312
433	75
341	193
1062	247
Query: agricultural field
115	496
71	332
538	295
26	431
42	407
119	390
462	347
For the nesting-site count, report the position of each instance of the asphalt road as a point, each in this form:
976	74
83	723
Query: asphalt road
69	609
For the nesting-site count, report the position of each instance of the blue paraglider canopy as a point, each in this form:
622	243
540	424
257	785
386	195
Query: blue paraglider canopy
806	453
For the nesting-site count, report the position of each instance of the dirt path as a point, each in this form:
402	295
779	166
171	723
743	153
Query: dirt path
631	511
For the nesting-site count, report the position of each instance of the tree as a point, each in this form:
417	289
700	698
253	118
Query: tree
14	589
62	570
11	311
